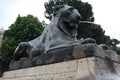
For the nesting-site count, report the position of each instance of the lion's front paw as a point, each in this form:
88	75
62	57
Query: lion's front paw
88	40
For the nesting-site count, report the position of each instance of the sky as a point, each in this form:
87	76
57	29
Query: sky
106	13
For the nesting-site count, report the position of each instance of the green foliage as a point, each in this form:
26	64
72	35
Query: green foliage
84	9
113	44
23	29
118	50
92	31
7	47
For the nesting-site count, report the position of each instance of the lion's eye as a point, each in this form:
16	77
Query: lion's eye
68	12
71	9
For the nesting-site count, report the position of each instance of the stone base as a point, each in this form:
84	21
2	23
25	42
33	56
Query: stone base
92	68
22	63
64	54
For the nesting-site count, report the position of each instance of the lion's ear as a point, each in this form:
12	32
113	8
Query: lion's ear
56	8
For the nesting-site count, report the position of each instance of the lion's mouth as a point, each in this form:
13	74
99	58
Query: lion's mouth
73	24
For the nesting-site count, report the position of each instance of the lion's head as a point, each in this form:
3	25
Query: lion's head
69	18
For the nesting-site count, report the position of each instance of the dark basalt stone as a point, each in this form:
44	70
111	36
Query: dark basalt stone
64	54
53	56
22	63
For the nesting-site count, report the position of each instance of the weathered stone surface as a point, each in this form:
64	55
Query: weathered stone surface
88	50
25	62
14	65
111	55
55	55
65	53
52	56
92	68
22	63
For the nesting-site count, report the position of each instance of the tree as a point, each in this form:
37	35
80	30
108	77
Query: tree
113	44
84	8
118	50
93	31
23	29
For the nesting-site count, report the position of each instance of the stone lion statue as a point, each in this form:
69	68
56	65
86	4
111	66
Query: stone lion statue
61	32
58	42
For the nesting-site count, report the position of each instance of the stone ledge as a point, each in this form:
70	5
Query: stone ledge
91	68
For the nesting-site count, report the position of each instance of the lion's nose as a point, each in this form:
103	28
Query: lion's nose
78	18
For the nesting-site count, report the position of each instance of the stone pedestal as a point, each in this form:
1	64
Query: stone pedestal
22	63
92	68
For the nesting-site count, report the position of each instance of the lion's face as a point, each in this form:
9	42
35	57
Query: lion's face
68	14
71	16
69	19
